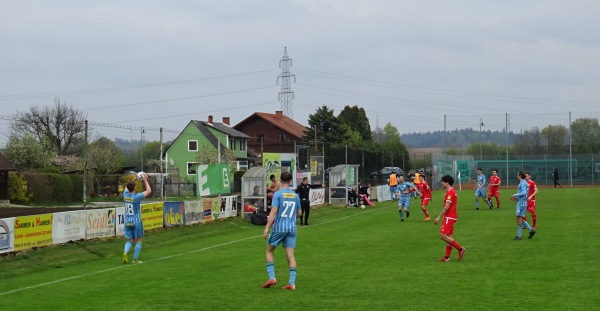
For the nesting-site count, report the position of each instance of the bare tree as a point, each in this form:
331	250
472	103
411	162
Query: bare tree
61	124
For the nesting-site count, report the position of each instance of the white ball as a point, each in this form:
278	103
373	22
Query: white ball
362	206
140	175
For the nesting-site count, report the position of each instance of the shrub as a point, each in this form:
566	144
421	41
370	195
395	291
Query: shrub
77	184
61	186
127	177
39	186
17	189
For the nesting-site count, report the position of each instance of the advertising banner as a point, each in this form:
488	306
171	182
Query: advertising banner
208	204
317	169
33	231
152	215
194	212
68	226
228	206
317	196
383	193
7	235
120	226
174	214
100	223
214	179
275	162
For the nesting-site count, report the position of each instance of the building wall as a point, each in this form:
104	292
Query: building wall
178	155
271	142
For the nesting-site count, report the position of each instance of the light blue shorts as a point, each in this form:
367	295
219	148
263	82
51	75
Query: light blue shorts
393	190
521	208
404	201
134	230
480	192
288	239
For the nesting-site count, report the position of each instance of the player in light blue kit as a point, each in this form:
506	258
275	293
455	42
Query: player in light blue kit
285	208
404	188
480	189
134	229
521	198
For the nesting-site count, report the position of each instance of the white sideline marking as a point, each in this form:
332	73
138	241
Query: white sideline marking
166	257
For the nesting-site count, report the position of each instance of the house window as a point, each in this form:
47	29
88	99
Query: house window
191	168
232	143
192	145
242	145
281	137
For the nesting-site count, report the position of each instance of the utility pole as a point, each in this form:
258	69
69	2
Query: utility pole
481	140
286	95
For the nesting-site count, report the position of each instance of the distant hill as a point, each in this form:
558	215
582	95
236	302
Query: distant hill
457	138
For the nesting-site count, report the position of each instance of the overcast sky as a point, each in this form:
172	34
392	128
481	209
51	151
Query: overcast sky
408	63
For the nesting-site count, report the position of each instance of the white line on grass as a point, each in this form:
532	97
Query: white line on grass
166	257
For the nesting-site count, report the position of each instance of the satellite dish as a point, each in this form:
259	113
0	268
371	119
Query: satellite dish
171	162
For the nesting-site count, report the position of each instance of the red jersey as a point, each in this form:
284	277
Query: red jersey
494	180
424	189
532	187
453	199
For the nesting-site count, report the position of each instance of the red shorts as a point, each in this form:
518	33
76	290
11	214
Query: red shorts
448	226
425	202
531	206
494	193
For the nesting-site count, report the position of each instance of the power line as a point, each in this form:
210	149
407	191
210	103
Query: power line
177	99
120	88
438	89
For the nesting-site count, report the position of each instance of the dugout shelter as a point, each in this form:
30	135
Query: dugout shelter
342	178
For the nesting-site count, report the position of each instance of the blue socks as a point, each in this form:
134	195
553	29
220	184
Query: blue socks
127	247
519	230
137	250
476	204
292	276
526	224
271	270
401	215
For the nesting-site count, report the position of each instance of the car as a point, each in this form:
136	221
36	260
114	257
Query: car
385	172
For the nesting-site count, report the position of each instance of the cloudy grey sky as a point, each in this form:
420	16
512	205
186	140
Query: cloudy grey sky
409	63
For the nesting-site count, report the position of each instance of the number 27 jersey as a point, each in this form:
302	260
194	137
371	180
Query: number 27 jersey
287	203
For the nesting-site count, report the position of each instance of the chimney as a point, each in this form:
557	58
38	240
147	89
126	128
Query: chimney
226	120
210	119
279	114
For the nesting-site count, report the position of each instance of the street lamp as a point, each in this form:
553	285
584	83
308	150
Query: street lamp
481	137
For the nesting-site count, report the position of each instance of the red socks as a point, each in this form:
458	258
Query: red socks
455	245
448	250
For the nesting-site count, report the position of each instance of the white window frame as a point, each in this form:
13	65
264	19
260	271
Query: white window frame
188	145
187	168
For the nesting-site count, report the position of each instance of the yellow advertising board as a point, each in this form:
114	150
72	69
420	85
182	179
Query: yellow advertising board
208	209
33	231
152	215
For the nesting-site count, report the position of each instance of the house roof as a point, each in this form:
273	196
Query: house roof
5	165
279	120
226	129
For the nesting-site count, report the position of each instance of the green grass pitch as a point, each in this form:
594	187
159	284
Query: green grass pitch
348	259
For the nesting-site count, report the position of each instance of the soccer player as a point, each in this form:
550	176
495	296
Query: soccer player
450	217
134	228
494	189
404	188
533	190
284	210
423	190
393	183
521	198
480	188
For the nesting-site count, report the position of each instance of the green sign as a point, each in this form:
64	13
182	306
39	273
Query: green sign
213	179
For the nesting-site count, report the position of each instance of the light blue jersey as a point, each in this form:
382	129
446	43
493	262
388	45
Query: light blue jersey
287	203
521	196
481	181
403	188
133	211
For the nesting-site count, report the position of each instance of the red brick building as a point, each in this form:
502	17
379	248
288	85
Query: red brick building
271	133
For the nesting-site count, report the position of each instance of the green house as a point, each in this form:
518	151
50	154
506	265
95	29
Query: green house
182	155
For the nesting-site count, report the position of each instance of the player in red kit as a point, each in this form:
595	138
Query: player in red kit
450	218
494	190
533	190
424	191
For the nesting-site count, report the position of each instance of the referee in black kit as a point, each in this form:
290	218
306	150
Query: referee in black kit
303	191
